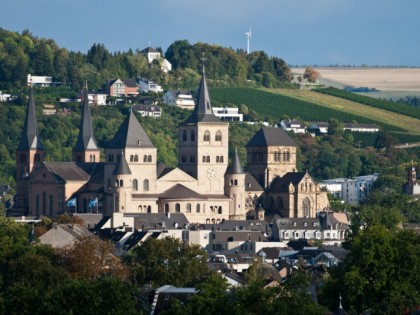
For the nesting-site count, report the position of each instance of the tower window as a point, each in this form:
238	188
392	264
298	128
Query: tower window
149	158
146	185
135	185
131	158
183	159
110	158
192	136
37	158
206	136
136	158
192	159
184	136
218	136
188	207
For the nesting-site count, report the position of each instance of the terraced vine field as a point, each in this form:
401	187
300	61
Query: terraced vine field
311	106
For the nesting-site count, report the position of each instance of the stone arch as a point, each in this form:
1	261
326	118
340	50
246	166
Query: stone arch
206	136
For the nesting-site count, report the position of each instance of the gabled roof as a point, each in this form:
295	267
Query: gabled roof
149	50
203	111
71	171
131	83
130	134
122	167
235	167
270	136
180	192
86	139
29	138
281	184
251	184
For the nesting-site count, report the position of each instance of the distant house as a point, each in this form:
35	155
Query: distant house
147	86
165	295
49	109
148	110
228	113
318	127
61	235
153	54
292	125
131	87
39	80
116	88
7	97
179	98
361	127
97	99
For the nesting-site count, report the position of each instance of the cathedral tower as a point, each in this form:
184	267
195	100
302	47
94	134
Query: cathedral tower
122	189
203	144
30	153
86	149
235	189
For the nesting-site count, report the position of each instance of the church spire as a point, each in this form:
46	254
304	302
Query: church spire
30	138
235	167
86	140
203	111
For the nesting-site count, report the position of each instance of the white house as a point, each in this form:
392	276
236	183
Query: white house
228	113
96	99
292	125
319	127
147	86
39	80
361	127
352	191
182	99
153	54
7	97
148	110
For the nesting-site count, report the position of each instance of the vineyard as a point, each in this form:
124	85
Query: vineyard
366	139
402	109
280	105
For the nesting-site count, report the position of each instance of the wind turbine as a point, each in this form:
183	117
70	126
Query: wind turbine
248	37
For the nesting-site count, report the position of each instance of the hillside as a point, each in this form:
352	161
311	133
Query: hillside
310	106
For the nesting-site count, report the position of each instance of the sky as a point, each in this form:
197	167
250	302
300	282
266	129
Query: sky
305	32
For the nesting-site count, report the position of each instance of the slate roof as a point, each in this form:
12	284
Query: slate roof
180	192
235	167
72	171
86	139
163	169
133	240
152	221
251	183
149	49
130	134
271	136
281	184
271	252
131	83
29	138
122	167
203	111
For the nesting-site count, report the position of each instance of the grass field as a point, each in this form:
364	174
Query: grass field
401	121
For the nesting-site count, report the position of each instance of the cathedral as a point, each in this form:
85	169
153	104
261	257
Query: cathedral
130	180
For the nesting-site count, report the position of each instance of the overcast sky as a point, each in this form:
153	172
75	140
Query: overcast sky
305	32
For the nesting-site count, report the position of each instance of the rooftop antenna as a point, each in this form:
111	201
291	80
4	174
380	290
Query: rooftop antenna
248	37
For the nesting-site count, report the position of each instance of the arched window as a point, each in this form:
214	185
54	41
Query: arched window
135	185
197	208
219	210
51	205
208	159
206	136
211	209
235	182
121	183
188	208
306	207
44	203
136	158
231	182
204	159
37	158
288	156
131	158
217	159
192	136
146	185
177	207
221	159
149	158
184	136
149	209
140	209
110	158
284	156
166	208
145	158
218	136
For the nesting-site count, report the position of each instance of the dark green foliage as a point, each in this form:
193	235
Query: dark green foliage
403	109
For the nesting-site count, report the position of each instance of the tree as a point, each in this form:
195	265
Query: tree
385	141
169	261
335	127
311	75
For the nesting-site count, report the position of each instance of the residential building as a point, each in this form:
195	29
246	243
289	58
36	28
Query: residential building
361	127
228	113
319	127
153	54
43	81
292	125
179	98
148	110
147	86
116	88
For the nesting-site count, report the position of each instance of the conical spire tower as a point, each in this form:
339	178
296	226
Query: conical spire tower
85	149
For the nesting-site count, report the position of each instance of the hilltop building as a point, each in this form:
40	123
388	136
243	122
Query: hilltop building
203	187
